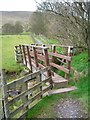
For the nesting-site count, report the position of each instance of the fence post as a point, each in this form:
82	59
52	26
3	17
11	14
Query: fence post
47	64
20	47
39	79
24	53
15	53
70	52
43	49
5	94
35	57
29	58
53	50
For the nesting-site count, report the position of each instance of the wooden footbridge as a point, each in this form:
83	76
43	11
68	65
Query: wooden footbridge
38	56
42	61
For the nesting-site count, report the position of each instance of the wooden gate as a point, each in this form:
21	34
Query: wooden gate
24	93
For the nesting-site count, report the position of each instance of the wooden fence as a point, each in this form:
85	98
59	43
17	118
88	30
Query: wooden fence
38	55
1	99
22	94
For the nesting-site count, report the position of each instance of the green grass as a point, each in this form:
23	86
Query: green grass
8	43
82	92
46	40
80	63
44	107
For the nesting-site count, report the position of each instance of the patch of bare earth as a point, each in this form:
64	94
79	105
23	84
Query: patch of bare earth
65	108
70	108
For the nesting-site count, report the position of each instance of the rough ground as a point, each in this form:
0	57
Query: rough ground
70	108
66	108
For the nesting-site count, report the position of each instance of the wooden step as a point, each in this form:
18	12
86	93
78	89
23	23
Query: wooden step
62	90
58	81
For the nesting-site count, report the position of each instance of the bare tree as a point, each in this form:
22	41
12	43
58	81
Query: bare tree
80	11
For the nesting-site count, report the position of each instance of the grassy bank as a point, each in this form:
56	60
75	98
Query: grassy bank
80	63
8	43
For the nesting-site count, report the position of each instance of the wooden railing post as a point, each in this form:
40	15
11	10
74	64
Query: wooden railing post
29	58
24	88
53	50
35	57
68	63
43	49
47	64
5	94
20	47
15	48
70	51
24	54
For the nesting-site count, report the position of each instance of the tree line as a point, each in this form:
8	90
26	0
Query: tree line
10	28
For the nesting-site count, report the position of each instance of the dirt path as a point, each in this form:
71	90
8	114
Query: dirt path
65	108
70	108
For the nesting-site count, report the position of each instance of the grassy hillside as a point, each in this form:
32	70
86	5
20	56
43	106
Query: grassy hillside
13	16
8	43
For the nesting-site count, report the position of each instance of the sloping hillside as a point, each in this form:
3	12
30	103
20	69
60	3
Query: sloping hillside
13	16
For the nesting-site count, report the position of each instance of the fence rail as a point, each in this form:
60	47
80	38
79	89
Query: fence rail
22	94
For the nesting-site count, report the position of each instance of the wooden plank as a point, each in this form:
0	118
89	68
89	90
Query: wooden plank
23	48
22	79
60	56
35	57
27	77
23	94
62	90
4	93
20	117
47	64
60	67
29	58
46	88
31	53
40	65
47	80
58	80
18	54
24	105
41	57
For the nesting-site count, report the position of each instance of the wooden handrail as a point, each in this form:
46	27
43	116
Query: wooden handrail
60	56
60	68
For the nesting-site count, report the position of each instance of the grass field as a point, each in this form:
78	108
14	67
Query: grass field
8	43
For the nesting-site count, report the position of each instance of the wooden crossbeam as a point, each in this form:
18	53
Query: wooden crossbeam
60	56
60	67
